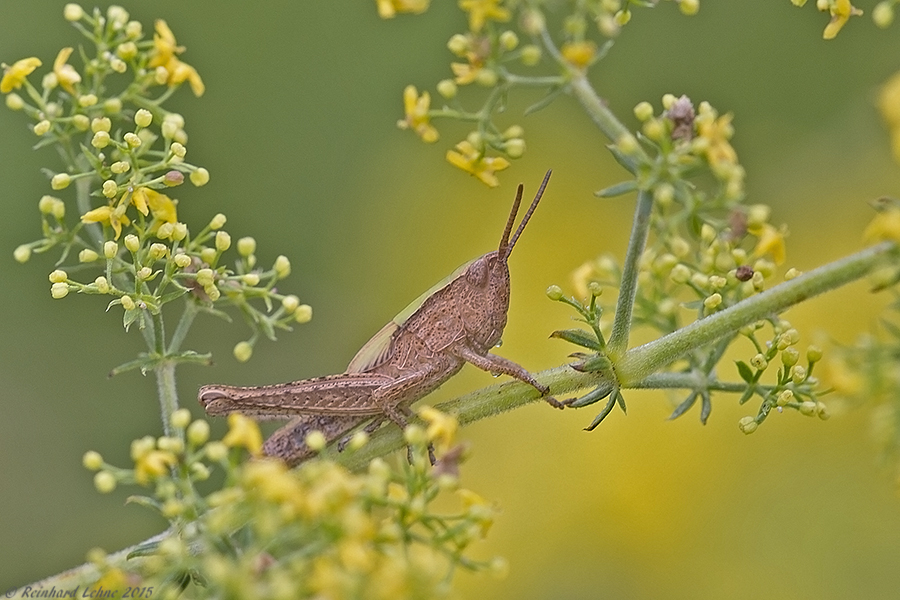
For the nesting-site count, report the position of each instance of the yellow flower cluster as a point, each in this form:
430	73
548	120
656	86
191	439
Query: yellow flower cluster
318	531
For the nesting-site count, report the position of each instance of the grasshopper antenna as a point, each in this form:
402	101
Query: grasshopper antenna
506	248
504	241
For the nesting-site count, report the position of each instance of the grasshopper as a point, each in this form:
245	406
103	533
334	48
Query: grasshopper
457	321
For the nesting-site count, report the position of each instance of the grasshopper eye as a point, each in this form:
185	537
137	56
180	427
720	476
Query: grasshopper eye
476	274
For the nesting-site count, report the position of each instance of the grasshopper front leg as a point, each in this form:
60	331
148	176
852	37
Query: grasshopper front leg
497	364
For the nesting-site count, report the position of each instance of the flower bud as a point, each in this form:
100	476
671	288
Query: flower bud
165	231
790	356
509	40
290	304
132	242
200	177
243	351
515	148
178	149
14	102
41	127
105	482
643	111
92	460
554	292
182	260
530	55
128	303
102	285
181	418
205	277
100	140
132	140
447	88
246	246
110	188
60	181
198	433
101	124
250	279
759	362
22	253
119	167
58	276
110	249
813	354
458	44
173	178
748	425
59	290
87	100
784	398
180	232
282	266
303	313
212	292
143	117
126	50
144	273
223	241
217	222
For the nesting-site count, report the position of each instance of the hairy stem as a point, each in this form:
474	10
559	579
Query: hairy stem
168	395
640	229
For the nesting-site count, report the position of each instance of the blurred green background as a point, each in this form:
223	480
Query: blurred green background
298	131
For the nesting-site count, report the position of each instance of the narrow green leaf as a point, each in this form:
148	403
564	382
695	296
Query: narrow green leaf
595	395
684	406
603	413
617	189
746	373
546	101
705	406
579	337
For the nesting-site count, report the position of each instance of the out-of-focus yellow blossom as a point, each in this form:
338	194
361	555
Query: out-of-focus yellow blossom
153	464
441	428
478	508
480	11
771	242
66	74
466	73
108	215
165	54
841	11
416	109
468	158
579	54
715	133
842	378
243	432
884	227
889	106
14	76
388	8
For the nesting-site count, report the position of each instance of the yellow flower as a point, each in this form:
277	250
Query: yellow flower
153	464
468	158
885	226
441	427
14	76
109	215
388	8
243	432
716	132
482	10
65	73
771	242
579	54
417	119
164	54
147	200
841	11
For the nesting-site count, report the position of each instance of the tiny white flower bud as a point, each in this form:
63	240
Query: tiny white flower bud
290	303
250	279
22	253
92	460
102	285
198	433
181	418
282	266
104	482
165	231
246	246
205	277
128	303
120	167
100	140
101	124
14	102
58	276
132	140
182	260
73	12
315	440
178	149
110	188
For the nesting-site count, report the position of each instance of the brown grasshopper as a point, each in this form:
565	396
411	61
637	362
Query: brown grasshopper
457	321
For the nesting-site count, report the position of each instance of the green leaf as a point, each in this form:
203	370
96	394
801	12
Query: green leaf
684	406
554	93
744	370
618	189
705	406
595	395
603	413
623	159
592	363
579	337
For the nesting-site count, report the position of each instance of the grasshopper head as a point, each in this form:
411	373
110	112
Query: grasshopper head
488	279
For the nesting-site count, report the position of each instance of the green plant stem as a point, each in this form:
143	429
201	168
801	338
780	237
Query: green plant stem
640	362
184	325
640	229
168	395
